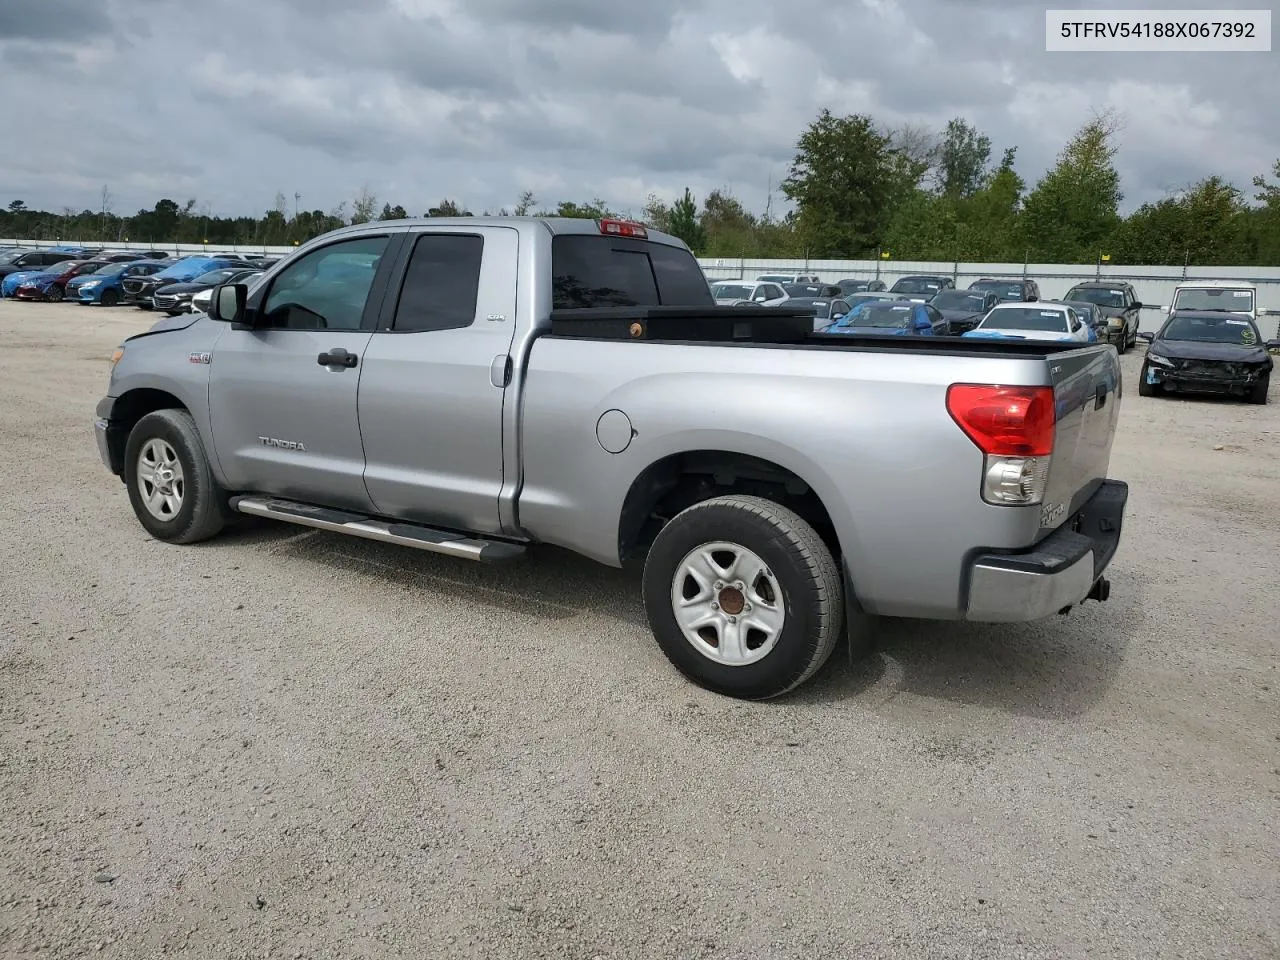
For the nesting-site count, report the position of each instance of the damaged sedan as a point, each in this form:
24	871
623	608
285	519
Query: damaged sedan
1198	351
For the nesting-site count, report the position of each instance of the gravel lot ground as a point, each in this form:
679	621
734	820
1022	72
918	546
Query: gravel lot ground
292	744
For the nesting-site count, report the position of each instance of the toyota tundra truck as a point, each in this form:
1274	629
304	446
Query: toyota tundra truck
477	387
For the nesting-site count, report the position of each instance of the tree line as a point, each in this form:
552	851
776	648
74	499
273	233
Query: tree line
857	190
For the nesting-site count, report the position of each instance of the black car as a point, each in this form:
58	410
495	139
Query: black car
19	261
921	287
963	309
854	285
824	291
175	298
1009	289
1198	351
1118	303
141	290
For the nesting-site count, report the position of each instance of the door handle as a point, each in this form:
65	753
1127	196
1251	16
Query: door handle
337	357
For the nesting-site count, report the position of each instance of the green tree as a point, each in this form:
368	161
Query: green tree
1072	211
843	179
17	206
393	213
657	215
525	205
597	209
447	208
1207	224
683	222
963	158
364	206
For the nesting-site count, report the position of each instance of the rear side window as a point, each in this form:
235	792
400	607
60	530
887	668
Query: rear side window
441	284
599	271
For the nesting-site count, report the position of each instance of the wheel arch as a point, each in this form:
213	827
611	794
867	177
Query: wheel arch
678	480
126	410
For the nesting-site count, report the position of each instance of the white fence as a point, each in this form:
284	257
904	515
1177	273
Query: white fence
1154	285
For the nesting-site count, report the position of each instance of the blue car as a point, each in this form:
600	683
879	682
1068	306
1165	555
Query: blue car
901	318
141	290
9	285
104	285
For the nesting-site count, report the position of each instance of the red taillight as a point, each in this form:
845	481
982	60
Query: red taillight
1005	421
623	228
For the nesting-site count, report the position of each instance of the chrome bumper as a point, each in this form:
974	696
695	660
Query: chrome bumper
1058	572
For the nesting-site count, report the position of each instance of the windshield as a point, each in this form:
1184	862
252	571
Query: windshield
776	278
1225	300
1004	289
851	286
803	290
1212	330
888	316
916	285
11	255
857	299
1026	318
1097	295
111	269
215	276
731	291
959	300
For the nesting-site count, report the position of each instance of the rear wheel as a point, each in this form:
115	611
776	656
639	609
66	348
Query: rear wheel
1258	394
110	298
54	293
743	596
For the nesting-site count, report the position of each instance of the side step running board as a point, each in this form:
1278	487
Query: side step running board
358	525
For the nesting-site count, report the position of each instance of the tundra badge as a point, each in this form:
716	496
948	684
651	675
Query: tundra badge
282	444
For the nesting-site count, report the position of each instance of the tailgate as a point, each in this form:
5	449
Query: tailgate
1086	387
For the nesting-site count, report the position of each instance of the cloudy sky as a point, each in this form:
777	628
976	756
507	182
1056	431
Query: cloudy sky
232	101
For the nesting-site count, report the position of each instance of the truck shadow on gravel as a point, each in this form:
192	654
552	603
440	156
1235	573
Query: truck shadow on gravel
1060	667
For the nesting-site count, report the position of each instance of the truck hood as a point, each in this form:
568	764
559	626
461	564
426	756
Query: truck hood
169	324
1016	335
190	287
1196	350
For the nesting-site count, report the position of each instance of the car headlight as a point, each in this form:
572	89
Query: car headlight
91	284
1115	321
1158	360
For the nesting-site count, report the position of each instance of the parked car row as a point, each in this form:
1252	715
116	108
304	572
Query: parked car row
148	279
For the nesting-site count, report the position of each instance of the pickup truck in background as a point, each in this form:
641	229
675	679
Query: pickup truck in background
477	386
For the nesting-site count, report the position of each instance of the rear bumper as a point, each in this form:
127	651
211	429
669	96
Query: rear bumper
1059	572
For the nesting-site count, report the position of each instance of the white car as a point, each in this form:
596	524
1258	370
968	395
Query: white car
200	302
1239	298
1043	320
735	292
786	279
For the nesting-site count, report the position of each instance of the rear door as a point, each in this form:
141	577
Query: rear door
1087	390
435	379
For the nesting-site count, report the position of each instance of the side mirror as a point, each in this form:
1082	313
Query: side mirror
227	302
1137	305
1147	335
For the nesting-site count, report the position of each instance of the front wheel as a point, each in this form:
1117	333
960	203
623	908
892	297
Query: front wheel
1145	388
1258	392
55	293
743	596
110	298
170	483
1122	345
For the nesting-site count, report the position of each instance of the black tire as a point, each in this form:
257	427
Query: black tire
1146	389
1133	340
795	557
203	510
55	293
1258	393
110	298
1122	345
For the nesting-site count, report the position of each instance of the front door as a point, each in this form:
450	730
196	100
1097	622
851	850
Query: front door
282	395
431	398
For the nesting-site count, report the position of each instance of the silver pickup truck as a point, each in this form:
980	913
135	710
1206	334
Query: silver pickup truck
475	387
